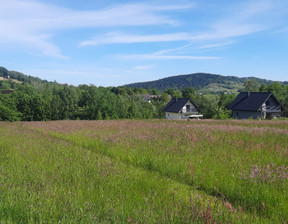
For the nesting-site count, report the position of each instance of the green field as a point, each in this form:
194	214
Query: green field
153	171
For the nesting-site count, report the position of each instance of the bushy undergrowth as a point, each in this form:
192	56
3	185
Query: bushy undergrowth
144	171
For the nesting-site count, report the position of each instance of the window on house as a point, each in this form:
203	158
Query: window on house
267	103
187	108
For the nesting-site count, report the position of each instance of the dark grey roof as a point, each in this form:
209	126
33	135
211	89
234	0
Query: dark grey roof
251	101
149	97
176	104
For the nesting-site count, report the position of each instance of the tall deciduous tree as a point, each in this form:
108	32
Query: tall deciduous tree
251	85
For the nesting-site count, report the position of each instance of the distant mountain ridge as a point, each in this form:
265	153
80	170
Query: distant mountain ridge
203	82
198	81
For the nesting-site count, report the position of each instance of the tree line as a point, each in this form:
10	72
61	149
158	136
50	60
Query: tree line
34	100
53	101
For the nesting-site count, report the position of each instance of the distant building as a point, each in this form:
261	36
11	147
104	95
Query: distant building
255	105
148	97
181	108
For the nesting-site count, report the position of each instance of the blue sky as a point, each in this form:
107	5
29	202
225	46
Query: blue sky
111	43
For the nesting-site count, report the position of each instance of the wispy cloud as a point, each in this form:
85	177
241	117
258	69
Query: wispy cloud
26	22
172	50
240	20
120	38
216	45
220	31
165	57
168	54
33	25
39	16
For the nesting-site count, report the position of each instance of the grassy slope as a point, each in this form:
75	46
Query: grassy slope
150	172
230	87
13	80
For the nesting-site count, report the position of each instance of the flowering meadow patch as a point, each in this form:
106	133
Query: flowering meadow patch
153	171
266	174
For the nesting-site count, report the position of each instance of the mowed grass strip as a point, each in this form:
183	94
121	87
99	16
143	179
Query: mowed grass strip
44	179
245	166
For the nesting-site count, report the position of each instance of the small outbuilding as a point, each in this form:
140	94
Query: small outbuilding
256	105
181	108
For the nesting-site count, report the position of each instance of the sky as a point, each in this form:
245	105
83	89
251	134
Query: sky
112	43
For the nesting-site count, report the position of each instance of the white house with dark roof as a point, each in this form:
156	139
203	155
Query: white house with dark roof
181	108
255	105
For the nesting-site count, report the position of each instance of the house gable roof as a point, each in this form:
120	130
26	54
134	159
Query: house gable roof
176	104
251	101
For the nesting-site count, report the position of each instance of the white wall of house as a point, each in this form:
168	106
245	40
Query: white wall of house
173	116
192	107
176	116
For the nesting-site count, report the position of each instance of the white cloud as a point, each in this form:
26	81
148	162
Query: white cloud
239	20
216	45
246	18
168	54
119	38
40	16
219	31
30	23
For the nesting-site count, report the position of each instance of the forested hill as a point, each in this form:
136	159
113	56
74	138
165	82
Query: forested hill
18	76
196	80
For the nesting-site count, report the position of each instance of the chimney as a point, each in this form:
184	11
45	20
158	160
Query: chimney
248	94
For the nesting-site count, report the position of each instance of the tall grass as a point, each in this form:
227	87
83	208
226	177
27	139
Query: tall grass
46	179
144	172
243	163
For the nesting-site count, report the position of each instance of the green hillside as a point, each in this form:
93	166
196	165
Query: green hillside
18	77
199	81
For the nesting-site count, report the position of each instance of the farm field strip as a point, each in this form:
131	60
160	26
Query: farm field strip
44	179
245	170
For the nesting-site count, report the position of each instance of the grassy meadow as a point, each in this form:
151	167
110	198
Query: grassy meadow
144	171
